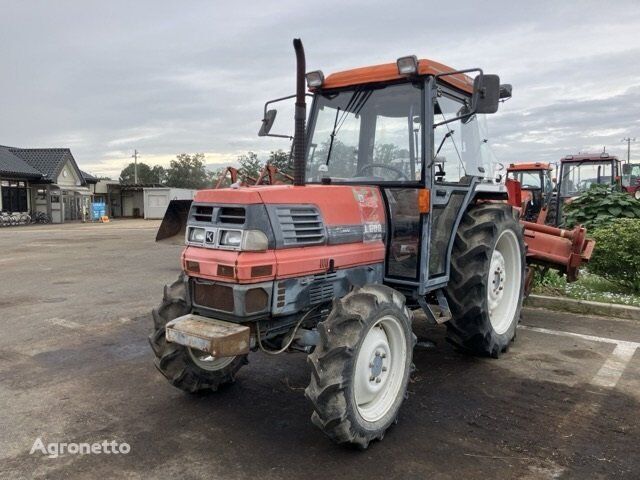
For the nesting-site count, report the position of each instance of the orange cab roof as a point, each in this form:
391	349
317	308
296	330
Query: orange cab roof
514	167
586	157
389	71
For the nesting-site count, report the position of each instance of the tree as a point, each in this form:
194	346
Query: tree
188	171
159	174
145	175
250	165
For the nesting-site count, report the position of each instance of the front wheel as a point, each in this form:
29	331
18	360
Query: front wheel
187	369
486	287
361	367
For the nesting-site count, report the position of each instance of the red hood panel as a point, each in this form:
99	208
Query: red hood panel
339	204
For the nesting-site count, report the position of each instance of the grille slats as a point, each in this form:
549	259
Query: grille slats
203	213
235	215
301	225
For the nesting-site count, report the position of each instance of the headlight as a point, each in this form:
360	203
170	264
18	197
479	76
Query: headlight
255	241
196	235
231	238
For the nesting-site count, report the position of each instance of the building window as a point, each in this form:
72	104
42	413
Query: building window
41	194
14	196
55	198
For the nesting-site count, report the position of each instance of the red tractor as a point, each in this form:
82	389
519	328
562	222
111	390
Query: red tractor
393	207
631	179
579	172
537	185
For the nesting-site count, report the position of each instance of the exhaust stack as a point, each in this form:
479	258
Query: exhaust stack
299	140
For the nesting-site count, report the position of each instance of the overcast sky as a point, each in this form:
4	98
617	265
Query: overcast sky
166	77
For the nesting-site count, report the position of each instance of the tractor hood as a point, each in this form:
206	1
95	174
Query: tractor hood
283	211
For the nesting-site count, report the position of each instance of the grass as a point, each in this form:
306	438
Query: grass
587	287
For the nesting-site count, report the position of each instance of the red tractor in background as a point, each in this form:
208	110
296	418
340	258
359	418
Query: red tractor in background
394	207
577	173
631	179
538	185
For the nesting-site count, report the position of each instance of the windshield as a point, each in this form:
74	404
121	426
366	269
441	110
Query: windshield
461	148
529	180
579	176
367	135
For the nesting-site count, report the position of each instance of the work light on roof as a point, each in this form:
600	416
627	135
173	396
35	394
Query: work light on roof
407	65
315	79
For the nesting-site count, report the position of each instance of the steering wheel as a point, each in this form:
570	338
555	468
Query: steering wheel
399	173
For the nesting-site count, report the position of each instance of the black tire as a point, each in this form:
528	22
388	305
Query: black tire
470	328
333	364
552	211
175	361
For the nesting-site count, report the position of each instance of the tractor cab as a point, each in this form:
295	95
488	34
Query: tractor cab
631	179
579	172
415	131
537	186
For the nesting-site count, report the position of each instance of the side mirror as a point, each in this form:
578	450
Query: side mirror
486	94
267	123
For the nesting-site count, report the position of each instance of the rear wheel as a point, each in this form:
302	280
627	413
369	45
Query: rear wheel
361	367
187	369
486	288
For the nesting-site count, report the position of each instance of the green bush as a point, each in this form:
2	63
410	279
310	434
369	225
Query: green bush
617	253
598	206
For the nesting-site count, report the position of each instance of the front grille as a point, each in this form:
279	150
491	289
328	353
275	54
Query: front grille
234	215
301	225
321	292
213	295
203	213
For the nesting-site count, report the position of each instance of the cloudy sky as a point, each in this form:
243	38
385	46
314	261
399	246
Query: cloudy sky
167	77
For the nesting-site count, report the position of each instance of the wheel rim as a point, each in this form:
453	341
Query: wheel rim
208	362
636	194
379	368
503	286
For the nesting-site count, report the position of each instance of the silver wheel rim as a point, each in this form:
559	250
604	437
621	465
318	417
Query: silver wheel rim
636	194
208	362
380	368
503	286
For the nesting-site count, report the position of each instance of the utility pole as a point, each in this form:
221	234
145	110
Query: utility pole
135	166
629	140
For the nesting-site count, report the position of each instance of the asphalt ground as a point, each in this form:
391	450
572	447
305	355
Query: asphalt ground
75	367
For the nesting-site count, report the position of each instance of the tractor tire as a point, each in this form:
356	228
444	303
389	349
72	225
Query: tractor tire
552	211
487	281
189	370
361	367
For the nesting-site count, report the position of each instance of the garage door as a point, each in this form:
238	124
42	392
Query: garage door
156	204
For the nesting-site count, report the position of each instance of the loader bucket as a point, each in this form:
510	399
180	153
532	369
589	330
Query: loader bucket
174	223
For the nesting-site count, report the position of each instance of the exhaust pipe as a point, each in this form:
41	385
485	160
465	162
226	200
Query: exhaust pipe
299	140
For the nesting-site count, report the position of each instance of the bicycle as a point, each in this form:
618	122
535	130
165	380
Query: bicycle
40	217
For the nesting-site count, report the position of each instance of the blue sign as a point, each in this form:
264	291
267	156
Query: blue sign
98	209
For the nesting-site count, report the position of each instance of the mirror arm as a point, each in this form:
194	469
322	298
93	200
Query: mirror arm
276	100
472	111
